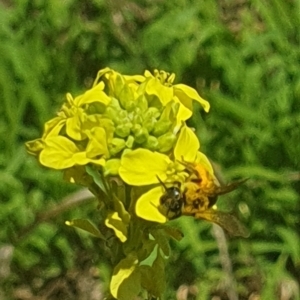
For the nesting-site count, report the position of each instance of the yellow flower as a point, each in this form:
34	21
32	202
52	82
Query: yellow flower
75	115
117	114
161	85
73	118
77	112
142	167
61	153
126	140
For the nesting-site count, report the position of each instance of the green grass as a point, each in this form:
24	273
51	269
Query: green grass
242	57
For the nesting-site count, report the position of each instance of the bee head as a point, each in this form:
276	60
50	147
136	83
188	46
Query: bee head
171	201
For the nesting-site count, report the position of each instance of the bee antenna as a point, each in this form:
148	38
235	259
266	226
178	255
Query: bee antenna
187	165
160	181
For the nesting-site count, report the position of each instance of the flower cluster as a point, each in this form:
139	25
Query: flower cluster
118	113
128	129
131	126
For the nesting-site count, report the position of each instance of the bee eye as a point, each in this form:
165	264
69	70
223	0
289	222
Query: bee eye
177	194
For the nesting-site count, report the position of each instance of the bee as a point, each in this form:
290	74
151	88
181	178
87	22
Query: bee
200	192
171	201
201	184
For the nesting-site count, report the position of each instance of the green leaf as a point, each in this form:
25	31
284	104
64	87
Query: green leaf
159	273
125	283
122	212
162	240
174	233
150	252
85	225
114	222
153	278
97	178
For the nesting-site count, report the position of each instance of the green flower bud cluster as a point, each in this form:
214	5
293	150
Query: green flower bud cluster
140	125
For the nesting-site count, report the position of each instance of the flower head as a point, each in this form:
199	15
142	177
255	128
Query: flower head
131	126
119	113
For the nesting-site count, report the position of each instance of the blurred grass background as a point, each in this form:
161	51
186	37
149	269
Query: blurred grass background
243	56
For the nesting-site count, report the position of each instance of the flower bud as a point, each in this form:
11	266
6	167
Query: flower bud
126	98
113	114
136	128
150	118
123	130
137	119
115	146
142	103
161	127
130	141
166	142
122	114
129	105
151	143
152	112
141	135
149	124
112	166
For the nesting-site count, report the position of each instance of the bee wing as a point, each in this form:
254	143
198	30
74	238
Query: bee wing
224	189
226	220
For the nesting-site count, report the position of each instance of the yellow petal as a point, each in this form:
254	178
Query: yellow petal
58	153
53	127
186	94
134	78
100	161
74	125
147	206
125	281
97	145
187	145
142	166
164	93
100	74
95	94
201	158
80	158
183	113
